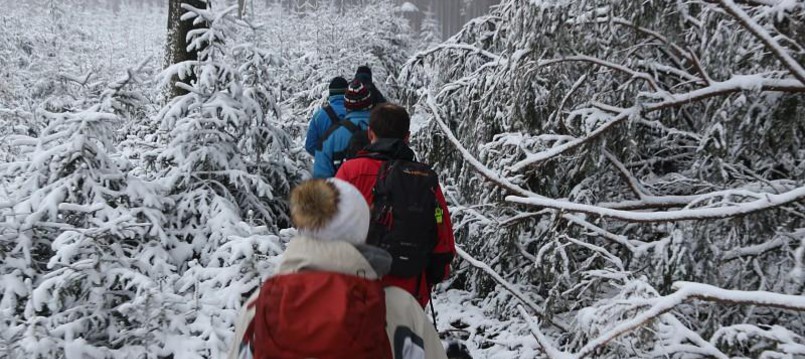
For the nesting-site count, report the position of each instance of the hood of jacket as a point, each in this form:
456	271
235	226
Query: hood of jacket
394	148
361	260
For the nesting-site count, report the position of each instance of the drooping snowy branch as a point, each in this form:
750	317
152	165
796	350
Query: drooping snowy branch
511	288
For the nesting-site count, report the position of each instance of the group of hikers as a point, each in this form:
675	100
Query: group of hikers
373	237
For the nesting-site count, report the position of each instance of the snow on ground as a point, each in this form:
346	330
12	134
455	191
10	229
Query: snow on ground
461	314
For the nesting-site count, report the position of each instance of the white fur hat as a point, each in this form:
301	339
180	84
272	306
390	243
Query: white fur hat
330	210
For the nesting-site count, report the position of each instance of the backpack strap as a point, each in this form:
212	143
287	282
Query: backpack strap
350	126
334	123
343	155
345	123
331	114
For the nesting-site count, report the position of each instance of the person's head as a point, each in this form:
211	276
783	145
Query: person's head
338	86
358	97
389	121
364	73
330	210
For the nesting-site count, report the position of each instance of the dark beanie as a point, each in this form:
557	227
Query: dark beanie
364	73
338	86
358	96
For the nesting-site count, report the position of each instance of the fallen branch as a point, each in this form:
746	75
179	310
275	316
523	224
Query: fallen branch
638	189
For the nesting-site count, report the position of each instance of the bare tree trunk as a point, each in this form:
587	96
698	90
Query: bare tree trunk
176	50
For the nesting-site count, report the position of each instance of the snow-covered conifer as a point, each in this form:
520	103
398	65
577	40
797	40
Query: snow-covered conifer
75	235
227	175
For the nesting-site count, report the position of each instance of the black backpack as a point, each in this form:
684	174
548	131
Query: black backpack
357	141
404	215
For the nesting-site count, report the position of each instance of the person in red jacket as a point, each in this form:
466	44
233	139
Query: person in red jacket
389	134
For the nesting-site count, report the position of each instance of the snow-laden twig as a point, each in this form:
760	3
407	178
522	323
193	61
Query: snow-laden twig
686	291
603	252
629	244
683	334
543	156
756	250
735	84
452	46
583	58
558	113
746	21
548	348
511	288
640	191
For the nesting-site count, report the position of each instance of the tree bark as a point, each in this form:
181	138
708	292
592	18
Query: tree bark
176	50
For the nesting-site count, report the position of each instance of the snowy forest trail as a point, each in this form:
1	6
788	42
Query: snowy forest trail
625	179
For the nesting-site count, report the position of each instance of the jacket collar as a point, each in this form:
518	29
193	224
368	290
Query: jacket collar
391	147
305	253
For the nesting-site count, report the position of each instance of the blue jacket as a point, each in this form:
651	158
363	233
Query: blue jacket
321	122
338	141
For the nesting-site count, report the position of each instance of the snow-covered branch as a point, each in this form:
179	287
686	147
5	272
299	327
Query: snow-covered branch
686	291
547	347
756	250
583	58
747	22
768	201
480	167
765	202
454	46
735	84
535	158
640	191
511	288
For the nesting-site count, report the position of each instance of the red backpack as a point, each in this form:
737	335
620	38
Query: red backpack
322	315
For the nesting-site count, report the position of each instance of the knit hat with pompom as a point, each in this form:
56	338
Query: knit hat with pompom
330	210
358	96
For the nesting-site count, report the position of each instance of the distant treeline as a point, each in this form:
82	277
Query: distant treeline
452	14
